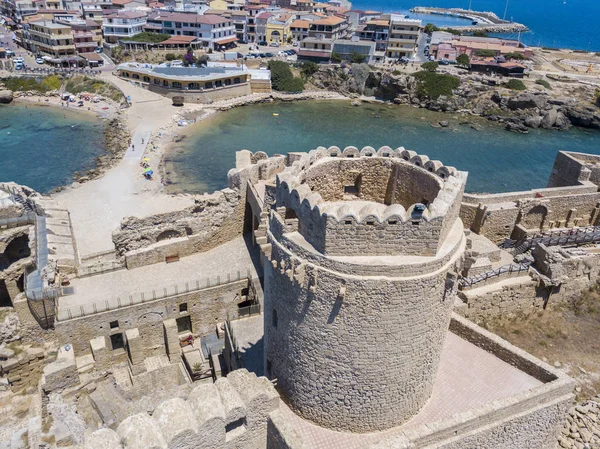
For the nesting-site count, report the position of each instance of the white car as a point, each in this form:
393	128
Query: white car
18	60
39	60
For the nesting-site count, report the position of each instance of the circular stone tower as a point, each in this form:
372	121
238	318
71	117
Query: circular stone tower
360	283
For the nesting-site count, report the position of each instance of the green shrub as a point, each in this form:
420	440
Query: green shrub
430	28
309	68
52	82
433	85
430	66
282	78
485	53
516	85
294	85
33	84
148	37
544	83
336	57
396	72
170	57
514	55
463	60
357	58
480	33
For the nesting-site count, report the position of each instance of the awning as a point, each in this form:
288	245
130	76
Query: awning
91	56
226	40
314	54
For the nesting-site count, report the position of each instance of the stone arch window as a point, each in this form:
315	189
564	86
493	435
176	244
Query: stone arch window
176	85
228	82
146	79
194	86
274	319
290	213
208	85
168	234
135	76
236	80
353	189
17	249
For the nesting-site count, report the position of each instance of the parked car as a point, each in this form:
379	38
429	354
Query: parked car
263	55
431	58
99	50
263	43
10	53
19	66
403	60
295	44
18	60
269	55
444	61
39	60
274	44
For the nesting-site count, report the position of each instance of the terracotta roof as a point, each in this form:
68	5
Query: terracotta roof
120	2
314	54
300	24
264	15
179	40
156	5
379	22
226	40
126	15
188	18
91	56
331	20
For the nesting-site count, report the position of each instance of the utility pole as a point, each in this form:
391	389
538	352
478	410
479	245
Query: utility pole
505	10
470	3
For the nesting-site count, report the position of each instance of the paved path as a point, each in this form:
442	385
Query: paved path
221	261
97	207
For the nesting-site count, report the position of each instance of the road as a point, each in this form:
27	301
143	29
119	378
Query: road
421	43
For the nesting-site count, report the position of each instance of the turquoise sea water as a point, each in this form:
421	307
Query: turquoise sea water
553	23
42	147
497	160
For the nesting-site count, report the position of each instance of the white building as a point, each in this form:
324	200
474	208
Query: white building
123	24
403	36
213	31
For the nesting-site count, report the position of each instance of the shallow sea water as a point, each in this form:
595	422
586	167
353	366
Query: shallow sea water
497	160
42	146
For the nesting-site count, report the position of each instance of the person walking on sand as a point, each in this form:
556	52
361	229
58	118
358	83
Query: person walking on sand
132	147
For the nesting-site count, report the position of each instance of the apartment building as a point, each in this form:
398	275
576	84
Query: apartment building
122	24
48	37
376	31
87	35
213	31
299	29
403	36
332	27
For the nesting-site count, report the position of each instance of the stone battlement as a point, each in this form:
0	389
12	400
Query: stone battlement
231	413
339	195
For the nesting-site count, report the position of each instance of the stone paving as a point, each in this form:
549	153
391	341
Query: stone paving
120	284
248	333
468	378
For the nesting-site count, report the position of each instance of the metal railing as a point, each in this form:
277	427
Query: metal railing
589	234
23	220
103	267
505	269
68	313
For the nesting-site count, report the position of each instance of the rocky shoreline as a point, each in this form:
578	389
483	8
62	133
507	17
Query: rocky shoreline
569	104
116	132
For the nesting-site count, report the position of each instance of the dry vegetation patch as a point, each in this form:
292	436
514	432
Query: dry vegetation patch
566	336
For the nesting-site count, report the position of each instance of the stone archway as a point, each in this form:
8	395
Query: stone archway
535	217
150	327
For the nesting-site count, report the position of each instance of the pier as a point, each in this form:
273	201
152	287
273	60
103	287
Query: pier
482	21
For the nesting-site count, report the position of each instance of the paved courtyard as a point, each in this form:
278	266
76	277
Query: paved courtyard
212	266
468	378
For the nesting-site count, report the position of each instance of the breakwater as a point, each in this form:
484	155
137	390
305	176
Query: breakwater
482	21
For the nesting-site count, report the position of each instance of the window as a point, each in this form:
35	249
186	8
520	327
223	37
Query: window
114	324
117	342
183	308
228	82
236	81
176	85
184	324
274	319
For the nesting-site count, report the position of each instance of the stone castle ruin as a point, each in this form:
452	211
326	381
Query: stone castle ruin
322	300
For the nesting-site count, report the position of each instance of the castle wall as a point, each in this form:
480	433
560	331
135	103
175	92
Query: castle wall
570	168
340	353
205	308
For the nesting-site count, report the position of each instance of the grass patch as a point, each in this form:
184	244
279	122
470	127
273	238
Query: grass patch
544	83
43	84
80	84
148	37
516	85
433	85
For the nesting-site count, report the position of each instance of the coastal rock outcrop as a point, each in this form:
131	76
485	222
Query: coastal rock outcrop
527	101
6	96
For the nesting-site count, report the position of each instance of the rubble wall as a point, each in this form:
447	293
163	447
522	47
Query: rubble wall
205	308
